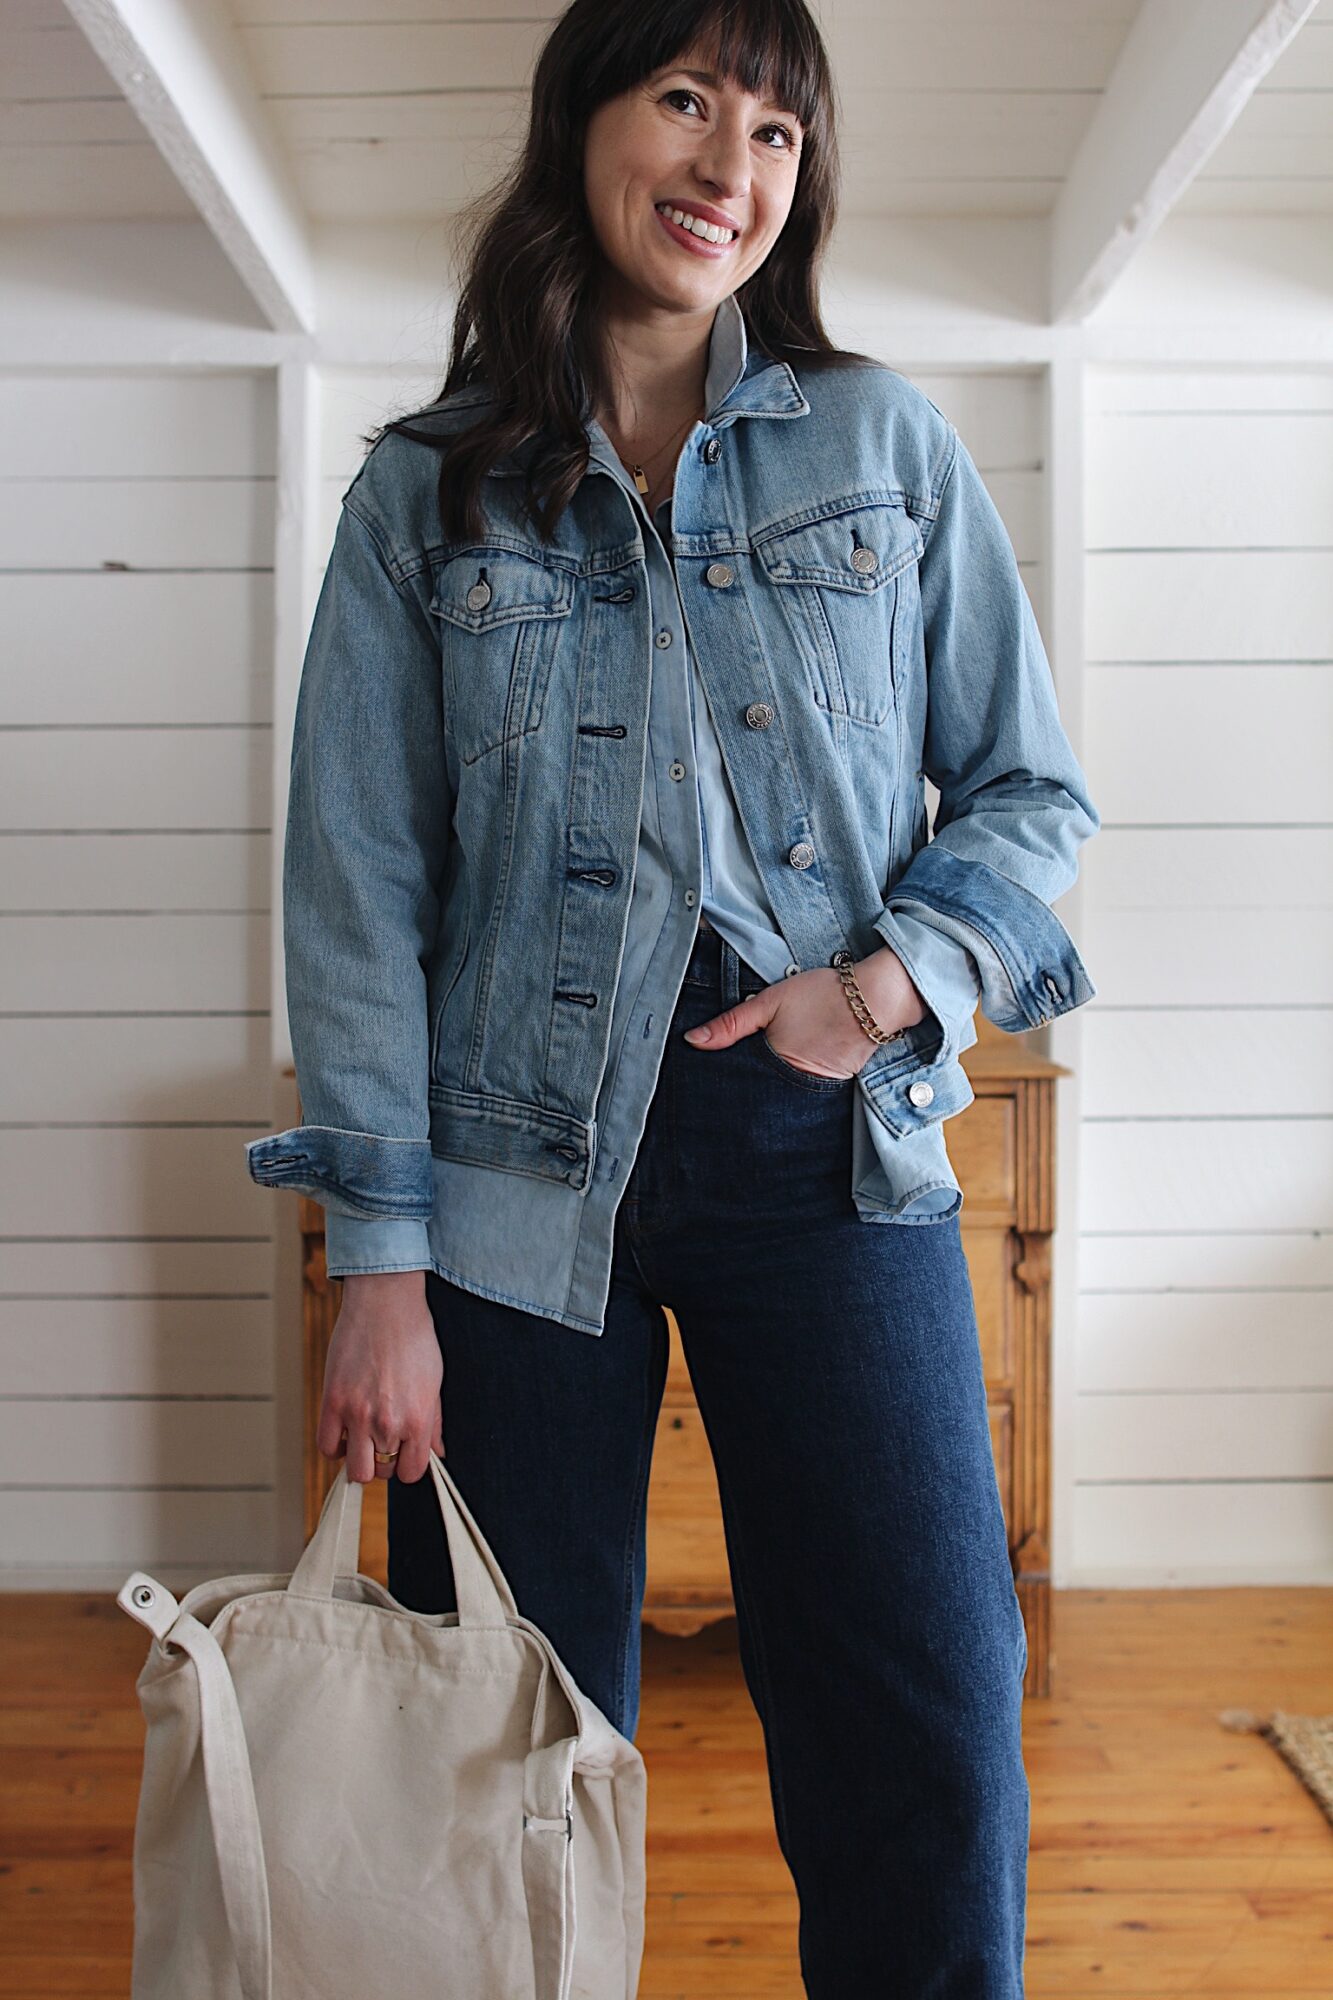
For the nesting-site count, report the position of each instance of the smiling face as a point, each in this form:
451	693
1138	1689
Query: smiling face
689	180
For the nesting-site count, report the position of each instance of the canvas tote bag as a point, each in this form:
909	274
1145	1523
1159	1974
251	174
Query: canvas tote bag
343	1797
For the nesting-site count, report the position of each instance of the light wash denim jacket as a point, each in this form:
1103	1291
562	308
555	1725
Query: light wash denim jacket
498	833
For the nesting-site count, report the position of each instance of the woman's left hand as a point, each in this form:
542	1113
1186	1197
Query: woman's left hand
816	1028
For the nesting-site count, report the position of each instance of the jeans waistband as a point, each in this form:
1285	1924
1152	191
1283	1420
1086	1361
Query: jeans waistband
718	966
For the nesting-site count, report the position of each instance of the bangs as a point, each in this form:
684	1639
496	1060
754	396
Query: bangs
764	46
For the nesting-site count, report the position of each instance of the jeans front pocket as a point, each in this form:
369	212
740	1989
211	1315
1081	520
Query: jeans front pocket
806	1079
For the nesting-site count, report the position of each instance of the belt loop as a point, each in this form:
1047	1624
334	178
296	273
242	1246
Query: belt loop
731	973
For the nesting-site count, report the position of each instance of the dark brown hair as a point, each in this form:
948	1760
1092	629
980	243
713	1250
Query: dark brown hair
526	324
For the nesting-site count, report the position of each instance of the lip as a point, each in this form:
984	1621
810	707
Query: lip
699	244
705	212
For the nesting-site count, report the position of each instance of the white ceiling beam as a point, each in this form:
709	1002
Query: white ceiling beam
184	73
1184	75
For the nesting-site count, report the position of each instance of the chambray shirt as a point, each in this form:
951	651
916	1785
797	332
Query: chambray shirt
690	834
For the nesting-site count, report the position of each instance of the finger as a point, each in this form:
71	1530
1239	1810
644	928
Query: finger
412	1461
330	1436
731	1025
360	1457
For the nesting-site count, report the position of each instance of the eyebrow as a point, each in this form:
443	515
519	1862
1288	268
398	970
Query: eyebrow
707	76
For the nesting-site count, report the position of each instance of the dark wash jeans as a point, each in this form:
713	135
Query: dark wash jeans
838	1373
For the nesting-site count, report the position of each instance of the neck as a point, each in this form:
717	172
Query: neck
658	364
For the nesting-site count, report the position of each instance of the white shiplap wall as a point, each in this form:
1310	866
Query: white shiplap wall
136	1320
1204	1404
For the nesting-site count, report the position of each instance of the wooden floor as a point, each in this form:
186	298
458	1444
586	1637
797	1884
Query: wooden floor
1169	1855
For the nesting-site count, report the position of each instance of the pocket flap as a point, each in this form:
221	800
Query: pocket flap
836	549
484	587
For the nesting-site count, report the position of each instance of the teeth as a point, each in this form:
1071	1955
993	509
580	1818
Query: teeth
708	230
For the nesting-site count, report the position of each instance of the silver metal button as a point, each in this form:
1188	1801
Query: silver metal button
712	451
719	575
664	638
678	770
479	597
921	1093
1051	987
791	971
801	855
864	560
690	899
758	715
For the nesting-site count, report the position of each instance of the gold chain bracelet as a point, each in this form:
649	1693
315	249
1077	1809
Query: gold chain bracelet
843	962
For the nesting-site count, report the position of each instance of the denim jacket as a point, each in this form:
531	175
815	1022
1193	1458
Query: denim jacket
468	776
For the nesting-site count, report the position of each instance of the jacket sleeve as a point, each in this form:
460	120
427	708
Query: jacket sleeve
368	829
1014	806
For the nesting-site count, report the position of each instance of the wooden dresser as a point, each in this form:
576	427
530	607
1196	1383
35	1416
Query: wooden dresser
1002	1148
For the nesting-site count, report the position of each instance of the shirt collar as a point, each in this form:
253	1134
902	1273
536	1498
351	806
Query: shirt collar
728	352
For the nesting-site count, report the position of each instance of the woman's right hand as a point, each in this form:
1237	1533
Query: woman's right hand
382	1378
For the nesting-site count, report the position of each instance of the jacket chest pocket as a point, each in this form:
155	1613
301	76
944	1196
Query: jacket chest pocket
847	583
502	615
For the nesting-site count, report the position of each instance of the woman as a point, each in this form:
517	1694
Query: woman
622	971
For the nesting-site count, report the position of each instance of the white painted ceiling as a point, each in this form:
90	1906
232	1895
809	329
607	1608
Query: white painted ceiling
403	111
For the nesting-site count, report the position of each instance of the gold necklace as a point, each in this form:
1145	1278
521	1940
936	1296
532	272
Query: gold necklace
640	476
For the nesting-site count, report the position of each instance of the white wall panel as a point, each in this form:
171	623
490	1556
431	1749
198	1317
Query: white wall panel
137	1362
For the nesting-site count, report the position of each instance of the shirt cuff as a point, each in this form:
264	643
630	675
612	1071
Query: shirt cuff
943	971
355	1243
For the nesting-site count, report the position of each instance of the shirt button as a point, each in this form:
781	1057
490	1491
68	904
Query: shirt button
719	575
791	971
479	597
690	899
678	770
712	451
920	1093
864	561
664	637
1051	987
758	715
801	855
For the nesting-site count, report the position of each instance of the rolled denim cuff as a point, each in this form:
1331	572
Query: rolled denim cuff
354	1243
354	1173
1029	967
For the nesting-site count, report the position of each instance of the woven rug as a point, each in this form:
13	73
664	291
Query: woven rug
1306	1742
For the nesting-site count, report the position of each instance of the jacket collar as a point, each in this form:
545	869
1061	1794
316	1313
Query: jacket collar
741	381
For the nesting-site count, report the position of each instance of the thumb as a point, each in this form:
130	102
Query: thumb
733	1023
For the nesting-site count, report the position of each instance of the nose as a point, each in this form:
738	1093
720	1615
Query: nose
723	160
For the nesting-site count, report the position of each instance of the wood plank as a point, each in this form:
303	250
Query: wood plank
1208	1434
193	647
96	1069
136	1347
147	1182
1214	1531
1242	605
147	1441
212	778
104	963
1175	1061
137	872
142	524
1227	743
1205	1173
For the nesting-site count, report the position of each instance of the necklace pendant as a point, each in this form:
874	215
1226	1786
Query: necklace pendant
641	480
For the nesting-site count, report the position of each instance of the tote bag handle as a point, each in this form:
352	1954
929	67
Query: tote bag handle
548	1824
334	1550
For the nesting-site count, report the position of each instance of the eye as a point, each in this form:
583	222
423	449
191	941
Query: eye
785	131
